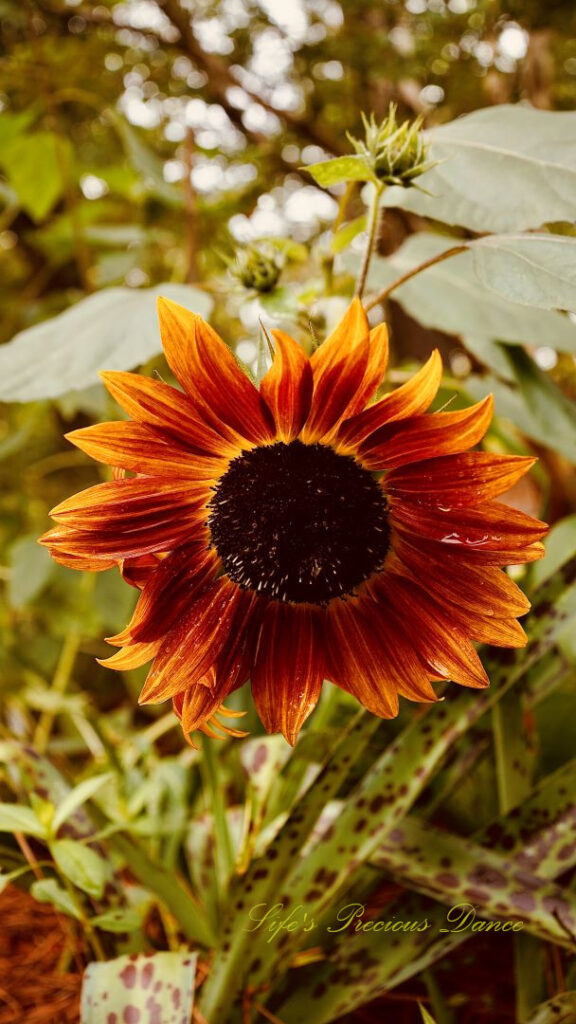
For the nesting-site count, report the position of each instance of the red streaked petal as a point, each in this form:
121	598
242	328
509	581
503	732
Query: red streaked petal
208	371
375	370
456	480
130	503
487	590
60	541
355	659
143	450
473	556
436	638
493	525
173	587
196	641
287	676
131	656
427	437
409	399
137	571
287	387
163	407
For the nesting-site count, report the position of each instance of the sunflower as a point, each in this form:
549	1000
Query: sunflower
301	531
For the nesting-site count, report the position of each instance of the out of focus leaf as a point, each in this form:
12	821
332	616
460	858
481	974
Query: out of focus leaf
157	986
560	546
77	797
47	890
347	233
17	818
115	329
35	165
83	866
530	154
118	921
30	571
535	405
449	297
559	1010
342	168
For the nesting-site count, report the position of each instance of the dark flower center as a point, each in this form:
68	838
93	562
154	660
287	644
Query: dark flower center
299	522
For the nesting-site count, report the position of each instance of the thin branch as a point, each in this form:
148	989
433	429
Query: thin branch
373	229
383	295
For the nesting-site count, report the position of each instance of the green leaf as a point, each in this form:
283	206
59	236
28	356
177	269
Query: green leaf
36	168
118	921
17	818
347	233
82	866
47	890
133	987
534	270
144	160
535	405
12	126
342	168
449	297
30	570
530	154
560	546
115	329
426	1016
559	1010
78	796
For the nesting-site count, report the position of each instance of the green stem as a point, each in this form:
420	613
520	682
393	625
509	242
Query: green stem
215	798
373	226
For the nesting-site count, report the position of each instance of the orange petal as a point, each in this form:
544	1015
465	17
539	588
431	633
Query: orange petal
196	641
287	387
375	370
410	399
166	409
287	676
352	331
132	656
60	542
435	636
137	571
208	371
334	391
356	662
173	587
456	480
144	450
427	437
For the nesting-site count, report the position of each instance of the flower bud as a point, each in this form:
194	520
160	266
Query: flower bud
397	153
257	268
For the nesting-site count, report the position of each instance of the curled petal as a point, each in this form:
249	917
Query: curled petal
167	410
143	450
427	437
197	706
410	399
457	480
132	656
208	371
288	673
137	571
287	387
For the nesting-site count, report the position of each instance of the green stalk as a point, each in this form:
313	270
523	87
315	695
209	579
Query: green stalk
373	227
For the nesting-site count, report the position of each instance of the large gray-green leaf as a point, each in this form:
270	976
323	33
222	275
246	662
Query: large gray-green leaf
114	329
505	168
450	297
535	270
149	987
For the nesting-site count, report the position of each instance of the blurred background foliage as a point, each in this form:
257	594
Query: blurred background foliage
151	141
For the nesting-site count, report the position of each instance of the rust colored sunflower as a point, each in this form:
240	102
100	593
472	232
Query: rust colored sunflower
297	532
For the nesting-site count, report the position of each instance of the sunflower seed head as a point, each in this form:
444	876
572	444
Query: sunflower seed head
397	153
257	267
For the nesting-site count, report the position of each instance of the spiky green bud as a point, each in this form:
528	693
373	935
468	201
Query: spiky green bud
396	153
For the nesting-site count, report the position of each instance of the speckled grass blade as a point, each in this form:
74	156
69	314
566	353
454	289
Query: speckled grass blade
153	987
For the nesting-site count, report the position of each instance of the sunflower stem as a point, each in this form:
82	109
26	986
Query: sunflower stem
373	229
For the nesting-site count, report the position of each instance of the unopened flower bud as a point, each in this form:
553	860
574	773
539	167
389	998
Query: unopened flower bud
397	153
257	268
